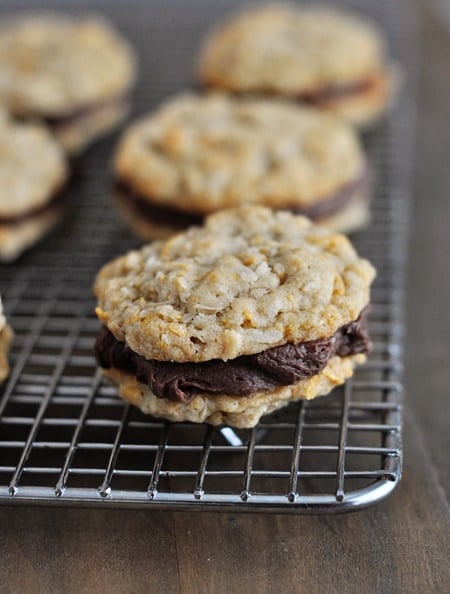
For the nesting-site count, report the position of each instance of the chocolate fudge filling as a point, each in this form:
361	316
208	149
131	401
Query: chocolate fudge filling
243	376
337	201
58	199
179	219
163	215
334	92
322	95
72	116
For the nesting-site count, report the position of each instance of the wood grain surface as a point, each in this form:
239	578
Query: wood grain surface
401	545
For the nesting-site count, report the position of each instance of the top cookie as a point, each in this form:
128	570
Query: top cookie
32	167
248	280
2	317
291	51
199	154
51	66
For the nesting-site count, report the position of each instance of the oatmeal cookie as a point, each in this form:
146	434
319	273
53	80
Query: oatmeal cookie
6	335
199	154
229	321
74	74
332	59
33	172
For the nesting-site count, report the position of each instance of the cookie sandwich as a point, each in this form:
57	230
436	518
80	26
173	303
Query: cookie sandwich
5	341
199	154
73	74
334	60
229	321
33	173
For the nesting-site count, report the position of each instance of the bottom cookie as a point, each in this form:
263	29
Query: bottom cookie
77	132
237	411
363	109
6	335
16	237
355	215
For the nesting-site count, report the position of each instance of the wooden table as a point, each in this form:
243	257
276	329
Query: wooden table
401	545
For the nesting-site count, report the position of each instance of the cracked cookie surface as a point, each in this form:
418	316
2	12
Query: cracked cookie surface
199	154
248	280
51	65
32	167
291	50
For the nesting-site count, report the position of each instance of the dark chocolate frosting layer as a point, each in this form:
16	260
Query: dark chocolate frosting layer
333	92
163	215
243	376
72	116
180	219
319	96
58	199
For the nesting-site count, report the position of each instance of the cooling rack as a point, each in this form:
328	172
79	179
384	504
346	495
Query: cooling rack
65	436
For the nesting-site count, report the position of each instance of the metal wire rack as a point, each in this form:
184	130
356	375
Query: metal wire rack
65	436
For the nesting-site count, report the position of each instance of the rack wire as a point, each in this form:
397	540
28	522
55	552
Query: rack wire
65	436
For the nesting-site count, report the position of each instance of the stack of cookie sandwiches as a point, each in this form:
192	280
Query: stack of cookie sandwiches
331	59
199	154
73	74
33	173
5	341
228	321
